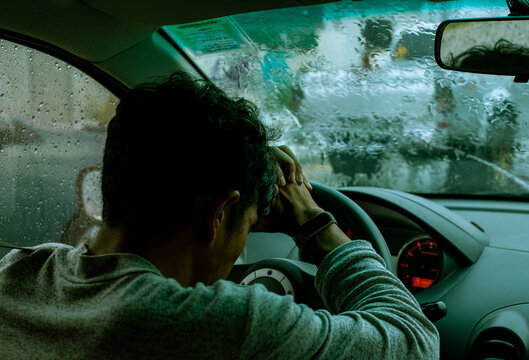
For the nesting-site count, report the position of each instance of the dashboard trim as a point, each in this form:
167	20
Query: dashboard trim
438	221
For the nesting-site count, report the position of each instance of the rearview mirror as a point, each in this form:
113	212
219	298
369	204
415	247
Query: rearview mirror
497	46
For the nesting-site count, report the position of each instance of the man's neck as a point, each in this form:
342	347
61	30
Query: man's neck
173	256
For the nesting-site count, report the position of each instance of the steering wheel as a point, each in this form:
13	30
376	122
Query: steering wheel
286	276
353	217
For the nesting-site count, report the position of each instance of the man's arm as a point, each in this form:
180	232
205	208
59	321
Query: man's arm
372	315
375	316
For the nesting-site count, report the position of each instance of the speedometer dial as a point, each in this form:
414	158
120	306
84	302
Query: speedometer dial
419	263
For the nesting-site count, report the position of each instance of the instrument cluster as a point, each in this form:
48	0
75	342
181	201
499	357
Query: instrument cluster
419	263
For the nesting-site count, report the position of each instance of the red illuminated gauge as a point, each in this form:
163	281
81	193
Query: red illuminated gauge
419	263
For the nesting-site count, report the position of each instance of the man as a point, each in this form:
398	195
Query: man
187	173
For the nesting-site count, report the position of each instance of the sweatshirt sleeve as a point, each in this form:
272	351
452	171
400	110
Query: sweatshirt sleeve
371	315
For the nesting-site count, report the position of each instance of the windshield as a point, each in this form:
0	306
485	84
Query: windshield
357	93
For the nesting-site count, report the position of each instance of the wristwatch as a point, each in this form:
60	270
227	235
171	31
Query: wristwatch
313	227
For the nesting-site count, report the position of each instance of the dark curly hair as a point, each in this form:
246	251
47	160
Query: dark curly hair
503	56
518	7
175	139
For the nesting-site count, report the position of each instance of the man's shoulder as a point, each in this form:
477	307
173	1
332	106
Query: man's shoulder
40	250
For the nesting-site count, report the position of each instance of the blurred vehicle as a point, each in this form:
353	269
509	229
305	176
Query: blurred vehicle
437	158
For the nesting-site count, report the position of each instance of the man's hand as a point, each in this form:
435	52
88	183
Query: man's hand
293	204
291	208
288	167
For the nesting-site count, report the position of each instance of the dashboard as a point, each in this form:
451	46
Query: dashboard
419	260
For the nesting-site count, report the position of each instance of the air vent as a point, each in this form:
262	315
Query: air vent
497	343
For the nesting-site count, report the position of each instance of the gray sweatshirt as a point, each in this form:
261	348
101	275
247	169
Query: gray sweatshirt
59	302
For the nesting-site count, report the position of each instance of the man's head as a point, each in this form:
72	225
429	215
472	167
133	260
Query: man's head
175	149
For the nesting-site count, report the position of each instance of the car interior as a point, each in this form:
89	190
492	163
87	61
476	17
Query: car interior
410	118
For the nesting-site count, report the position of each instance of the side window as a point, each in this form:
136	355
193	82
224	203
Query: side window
53	120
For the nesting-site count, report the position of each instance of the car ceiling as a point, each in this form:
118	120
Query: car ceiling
96	30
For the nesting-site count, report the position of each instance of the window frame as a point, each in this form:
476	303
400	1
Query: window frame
111	84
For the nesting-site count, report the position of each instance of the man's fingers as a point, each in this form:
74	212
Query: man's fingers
286	163
289	169
307	183
301	178
280	176
295	170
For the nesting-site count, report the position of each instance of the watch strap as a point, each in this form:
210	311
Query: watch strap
312	227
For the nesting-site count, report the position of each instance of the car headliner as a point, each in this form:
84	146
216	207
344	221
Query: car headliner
96	30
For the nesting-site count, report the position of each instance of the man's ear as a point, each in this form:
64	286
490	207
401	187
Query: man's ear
218	214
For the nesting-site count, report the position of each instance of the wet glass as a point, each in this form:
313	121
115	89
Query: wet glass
355	88
53	121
